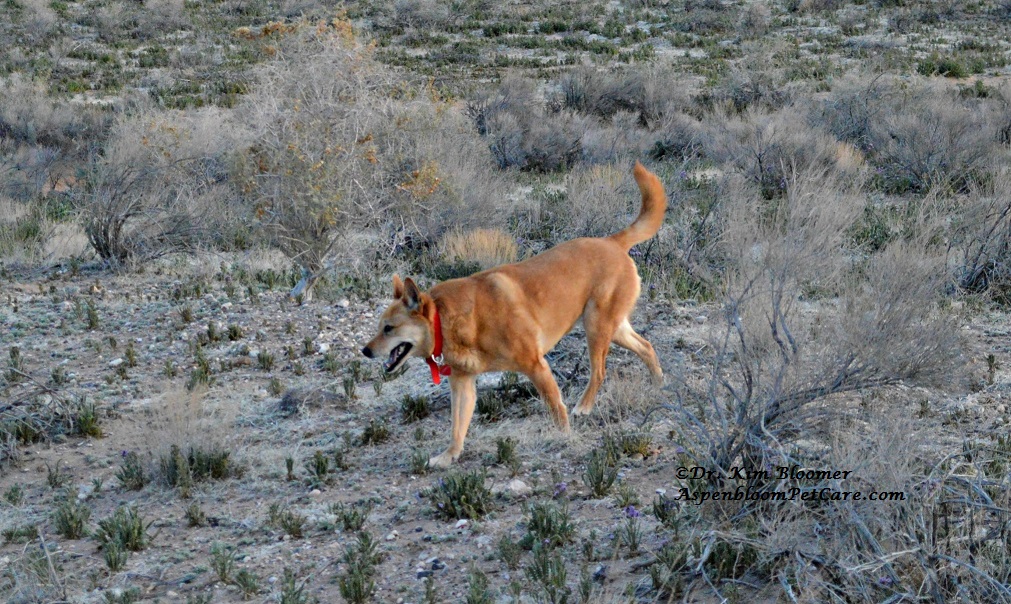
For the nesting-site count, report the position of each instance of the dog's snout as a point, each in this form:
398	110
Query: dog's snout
367	352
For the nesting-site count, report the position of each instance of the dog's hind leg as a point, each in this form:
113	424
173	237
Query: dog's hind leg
540	375
626	337
463	397
599	331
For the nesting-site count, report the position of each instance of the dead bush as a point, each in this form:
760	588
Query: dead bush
602	93
940	534
752	85
616	140
28	116
770	149
24	231
520	130
981	239
155	188
928	141
772	360
755	20
916	137
343	146
600	201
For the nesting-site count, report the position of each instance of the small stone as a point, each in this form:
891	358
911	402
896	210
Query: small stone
438	564
323	347
115	362
518	487
315	493
461	523
272	580
172	594
392	536
343	303
701	319
423	574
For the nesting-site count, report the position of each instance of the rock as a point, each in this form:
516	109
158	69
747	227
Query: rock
423	574
701	319
438	564
392	536
116	362
323	347
343	303
461	523
515	487
315	493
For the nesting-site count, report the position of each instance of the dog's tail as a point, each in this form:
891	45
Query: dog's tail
654	204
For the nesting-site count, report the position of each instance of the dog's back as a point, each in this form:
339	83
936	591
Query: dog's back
553	289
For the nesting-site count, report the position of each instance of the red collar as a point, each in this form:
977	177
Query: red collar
435	361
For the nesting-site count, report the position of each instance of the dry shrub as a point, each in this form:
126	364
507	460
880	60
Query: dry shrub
853	105
520	130
25	232
770	149
879	322
916	137
343	146
40	19
943	538
600	201
774	398
602	93
615	140
755	20
155	189
751	85
28	116
981	239
484	247
678	137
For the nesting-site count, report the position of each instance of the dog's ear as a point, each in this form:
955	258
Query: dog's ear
398	287
412	295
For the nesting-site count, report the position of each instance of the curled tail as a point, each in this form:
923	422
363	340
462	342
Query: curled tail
654	204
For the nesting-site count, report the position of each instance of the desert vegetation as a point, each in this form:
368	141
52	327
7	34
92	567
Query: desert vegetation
202	204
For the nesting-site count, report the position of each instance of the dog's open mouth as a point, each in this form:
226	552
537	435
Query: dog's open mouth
397	356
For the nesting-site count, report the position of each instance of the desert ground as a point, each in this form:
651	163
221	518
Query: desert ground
203	203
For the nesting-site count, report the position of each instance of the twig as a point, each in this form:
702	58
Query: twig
49	561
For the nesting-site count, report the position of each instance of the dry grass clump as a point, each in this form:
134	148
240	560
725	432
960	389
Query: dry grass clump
345	146
484	247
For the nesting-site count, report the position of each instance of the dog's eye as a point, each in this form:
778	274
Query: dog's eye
388	329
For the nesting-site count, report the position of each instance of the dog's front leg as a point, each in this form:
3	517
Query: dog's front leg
463	397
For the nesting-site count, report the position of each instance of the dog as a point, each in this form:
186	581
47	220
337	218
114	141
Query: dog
508	317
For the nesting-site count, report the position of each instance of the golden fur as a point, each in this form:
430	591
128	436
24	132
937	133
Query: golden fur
508	317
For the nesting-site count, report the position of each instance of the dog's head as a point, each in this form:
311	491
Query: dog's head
405	327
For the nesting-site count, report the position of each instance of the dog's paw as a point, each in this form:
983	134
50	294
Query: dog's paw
442	460
581	410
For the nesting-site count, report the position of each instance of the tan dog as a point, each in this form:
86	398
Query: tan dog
508	317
